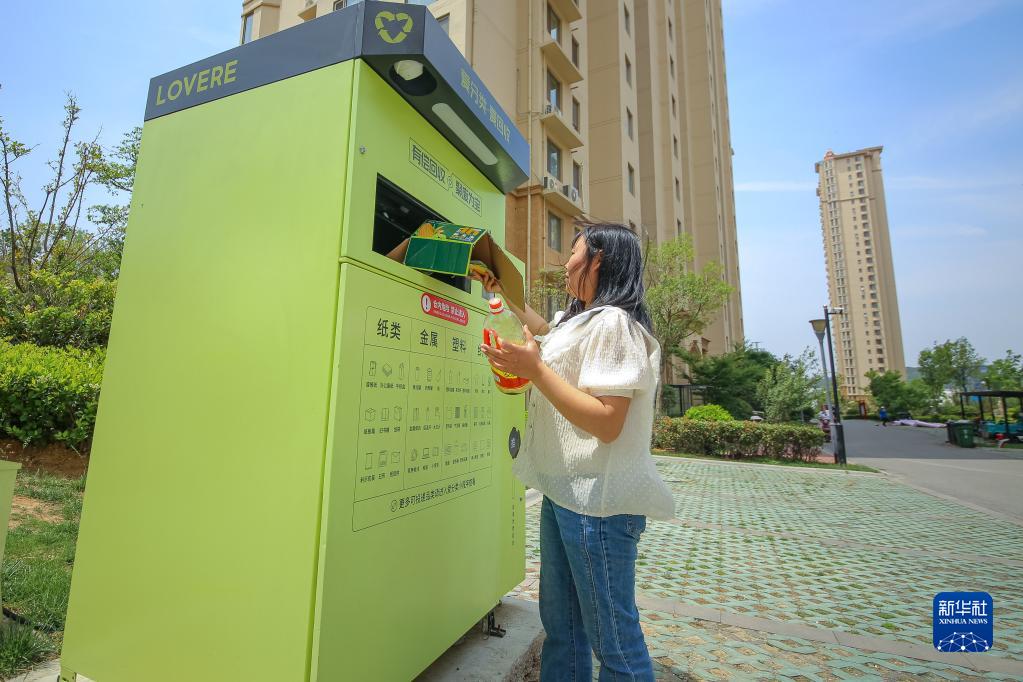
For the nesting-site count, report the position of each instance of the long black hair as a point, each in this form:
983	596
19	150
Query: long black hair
620	277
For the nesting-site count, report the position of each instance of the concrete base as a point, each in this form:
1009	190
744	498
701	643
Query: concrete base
512	658
475	658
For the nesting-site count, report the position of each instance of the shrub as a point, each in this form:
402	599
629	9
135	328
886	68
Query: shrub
49	394
738	438
57	310
713	413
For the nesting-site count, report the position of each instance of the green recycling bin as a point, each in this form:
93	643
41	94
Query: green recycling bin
301	470
963	431
8	472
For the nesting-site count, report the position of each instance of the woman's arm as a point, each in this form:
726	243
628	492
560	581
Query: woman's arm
599	416
528	316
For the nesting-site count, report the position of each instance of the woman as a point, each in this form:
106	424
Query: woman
587	449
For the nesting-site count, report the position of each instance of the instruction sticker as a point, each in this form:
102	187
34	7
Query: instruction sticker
444	309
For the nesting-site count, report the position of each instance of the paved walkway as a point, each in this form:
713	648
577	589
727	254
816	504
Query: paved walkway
986	478
784	573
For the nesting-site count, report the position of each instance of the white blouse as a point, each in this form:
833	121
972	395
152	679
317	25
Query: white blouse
605	353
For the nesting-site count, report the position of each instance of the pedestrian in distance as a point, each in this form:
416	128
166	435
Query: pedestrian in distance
587	449
883	416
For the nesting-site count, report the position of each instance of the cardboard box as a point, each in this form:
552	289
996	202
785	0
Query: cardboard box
447	248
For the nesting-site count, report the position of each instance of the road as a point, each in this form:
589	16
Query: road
984	478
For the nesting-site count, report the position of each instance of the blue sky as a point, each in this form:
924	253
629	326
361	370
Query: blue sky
939	83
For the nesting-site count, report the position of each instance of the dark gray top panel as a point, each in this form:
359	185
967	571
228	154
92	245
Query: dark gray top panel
382	34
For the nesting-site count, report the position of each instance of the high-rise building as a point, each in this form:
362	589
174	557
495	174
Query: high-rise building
861	277
624	106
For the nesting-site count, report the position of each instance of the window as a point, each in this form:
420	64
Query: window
554	232
628	123
553	159
553	24
674	145
247	28
575	51
576	114
678	192
674	106
628	71
632	180
444	22
341	4
628	21
553	91
577	177
671	32
671	66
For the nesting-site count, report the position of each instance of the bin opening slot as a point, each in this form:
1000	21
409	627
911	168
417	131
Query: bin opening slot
397	216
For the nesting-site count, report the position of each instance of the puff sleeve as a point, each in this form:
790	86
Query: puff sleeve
614	357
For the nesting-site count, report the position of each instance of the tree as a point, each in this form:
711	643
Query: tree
58	272
790	387
1005	374
547	291
730	380
681	301
898	396
952	362
49	234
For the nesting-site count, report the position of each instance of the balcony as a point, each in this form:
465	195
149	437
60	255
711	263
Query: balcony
559	130
568	10
562	196
560	62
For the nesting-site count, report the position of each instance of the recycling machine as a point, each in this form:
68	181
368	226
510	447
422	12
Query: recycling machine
301	469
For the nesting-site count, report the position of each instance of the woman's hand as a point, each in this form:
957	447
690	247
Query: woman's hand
521	360
489	280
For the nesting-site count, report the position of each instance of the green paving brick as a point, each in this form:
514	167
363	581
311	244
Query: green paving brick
856	589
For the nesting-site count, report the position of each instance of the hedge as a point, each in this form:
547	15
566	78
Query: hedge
49	394
738	438
710	412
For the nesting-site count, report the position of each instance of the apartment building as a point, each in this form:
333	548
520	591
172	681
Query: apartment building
861	276
624	106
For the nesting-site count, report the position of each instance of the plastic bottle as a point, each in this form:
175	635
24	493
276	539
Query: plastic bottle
502	325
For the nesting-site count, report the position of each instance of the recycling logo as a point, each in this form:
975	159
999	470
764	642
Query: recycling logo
386	20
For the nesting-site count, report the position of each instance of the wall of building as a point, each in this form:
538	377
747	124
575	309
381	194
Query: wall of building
861	274
674	49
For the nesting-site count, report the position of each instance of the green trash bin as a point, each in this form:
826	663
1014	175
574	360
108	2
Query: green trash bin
8	470
964	434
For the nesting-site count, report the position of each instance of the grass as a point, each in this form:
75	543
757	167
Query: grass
36	575
21	647
770	460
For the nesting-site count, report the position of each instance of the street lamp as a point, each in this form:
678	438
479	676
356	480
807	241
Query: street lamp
822	328
818	329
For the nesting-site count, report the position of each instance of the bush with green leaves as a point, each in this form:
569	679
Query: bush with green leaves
737	439
57	310
713	413
49	394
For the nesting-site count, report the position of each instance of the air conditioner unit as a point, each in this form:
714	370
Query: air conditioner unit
551	109
573	194
549	184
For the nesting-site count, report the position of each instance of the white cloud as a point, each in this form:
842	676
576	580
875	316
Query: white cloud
919	18
939	231
924	182
967	113
776	186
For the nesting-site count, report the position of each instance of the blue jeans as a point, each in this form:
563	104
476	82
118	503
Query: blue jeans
588	596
